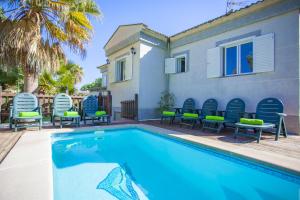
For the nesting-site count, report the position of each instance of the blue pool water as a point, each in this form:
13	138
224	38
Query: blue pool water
135	164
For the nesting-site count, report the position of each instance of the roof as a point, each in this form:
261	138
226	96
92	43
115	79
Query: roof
102	66
218	18
260	4
143	27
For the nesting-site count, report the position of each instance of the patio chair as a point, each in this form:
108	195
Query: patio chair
90	110
63	109
269	116
187	107
235	109
25	109
209	107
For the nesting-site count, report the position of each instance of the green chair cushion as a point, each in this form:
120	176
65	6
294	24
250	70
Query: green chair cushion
168	113
100	113
190	115
214	118
252	121
28	114
71	114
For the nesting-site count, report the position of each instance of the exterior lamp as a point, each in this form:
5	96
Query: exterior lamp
132	50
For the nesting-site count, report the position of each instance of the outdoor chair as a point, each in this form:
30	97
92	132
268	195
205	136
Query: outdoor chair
187	107
90	110
269	116
235	109
25	109
209	107
64	110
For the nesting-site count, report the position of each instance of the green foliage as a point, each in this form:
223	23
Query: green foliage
167	101
2	16
64	79
96	85
12	79
34	33
47	84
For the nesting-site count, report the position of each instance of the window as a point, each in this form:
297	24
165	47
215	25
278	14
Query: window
238	59
180	64
120	70
104	79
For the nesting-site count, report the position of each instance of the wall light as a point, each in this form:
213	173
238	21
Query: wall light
133	50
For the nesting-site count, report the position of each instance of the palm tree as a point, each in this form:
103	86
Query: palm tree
64	79
47	84
34	31
68	76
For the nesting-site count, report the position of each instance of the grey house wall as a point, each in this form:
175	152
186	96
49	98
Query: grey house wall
283	83
152	79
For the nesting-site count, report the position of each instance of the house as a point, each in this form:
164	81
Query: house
252	53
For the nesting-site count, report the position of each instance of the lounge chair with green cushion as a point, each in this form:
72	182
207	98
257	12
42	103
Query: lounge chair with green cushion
91	111
269	116
64	110
187	107
235	109
189	119
209	107
25	109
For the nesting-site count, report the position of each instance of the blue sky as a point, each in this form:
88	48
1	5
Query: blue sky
166	16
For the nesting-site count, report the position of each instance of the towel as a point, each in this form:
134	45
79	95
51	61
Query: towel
100	113
215	118
252	121
71	114
168	113
28	114
190	115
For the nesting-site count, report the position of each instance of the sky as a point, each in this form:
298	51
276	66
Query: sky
165	16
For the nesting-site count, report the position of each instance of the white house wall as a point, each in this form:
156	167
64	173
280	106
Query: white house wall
152	79
125	90
283	83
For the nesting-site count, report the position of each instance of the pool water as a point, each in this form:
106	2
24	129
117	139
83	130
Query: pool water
135	164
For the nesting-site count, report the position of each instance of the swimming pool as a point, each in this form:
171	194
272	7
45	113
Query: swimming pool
136	164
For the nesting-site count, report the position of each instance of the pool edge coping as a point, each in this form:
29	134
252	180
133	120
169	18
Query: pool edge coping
227	148
241	152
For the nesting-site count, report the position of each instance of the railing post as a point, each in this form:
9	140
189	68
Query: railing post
100	100
136	106
109	102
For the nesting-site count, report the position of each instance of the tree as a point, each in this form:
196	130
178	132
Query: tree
68	76
47	84
2	16
64	79
11	79
34	31
96	85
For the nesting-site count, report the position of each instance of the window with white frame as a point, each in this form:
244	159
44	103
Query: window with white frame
238	58
180	63
120	70
104	79
246	56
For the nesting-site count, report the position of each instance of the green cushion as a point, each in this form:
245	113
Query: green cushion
100	113
71	114
168	113
190	115
28	114
252	121
215	118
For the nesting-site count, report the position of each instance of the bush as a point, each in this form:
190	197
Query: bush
167	101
